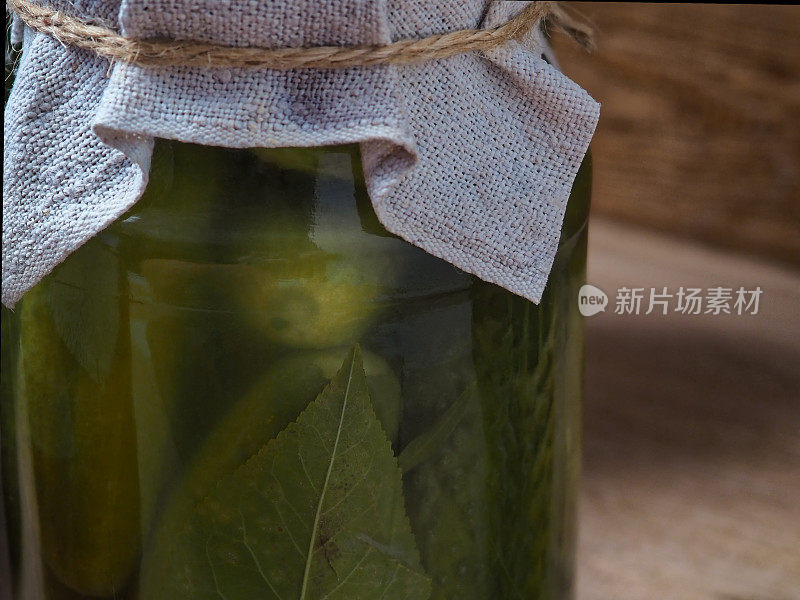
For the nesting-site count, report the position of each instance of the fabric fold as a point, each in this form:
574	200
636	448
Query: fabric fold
470	158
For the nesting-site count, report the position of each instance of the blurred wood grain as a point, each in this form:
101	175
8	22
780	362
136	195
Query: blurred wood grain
700	124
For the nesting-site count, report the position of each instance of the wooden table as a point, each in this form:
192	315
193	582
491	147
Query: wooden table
691	487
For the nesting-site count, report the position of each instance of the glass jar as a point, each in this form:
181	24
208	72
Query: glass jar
152	378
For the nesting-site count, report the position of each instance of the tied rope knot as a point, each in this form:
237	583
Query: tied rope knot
108	43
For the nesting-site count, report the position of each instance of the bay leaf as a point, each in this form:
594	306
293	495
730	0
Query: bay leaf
316	514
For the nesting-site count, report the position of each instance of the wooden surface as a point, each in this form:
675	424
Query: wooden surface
700	122
691	483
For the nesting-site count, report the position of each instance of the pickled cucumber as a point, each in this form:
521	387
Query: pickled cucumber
295	159
154	412
204	286
83	440
204	355
311	302
248	274
176	210
10	499
319	276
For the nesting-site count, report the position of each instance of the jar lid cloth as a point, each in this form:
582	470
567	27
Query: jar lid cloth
469	155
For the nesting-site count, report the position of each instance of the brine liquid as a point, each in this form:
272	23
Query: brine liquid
177	344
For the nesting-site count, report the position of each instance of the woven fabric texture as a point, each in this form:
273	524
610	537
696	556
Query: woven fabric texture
471	157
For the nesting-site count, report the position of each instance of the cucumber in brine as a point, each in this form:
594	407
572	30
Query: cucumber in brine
81	426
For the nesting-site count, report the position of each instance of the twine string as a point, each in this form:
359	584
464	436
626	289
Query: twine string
106	42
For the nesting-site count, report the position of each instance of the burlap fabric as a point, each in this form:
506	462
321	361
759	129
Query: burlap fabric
469	157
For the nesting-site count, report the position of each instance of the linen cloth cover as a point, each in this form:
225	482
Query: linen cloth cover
470	158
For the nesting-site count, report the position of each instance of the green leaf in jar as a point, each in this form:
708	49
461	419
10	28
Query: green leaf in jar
284	391
424	446
317	513
82	299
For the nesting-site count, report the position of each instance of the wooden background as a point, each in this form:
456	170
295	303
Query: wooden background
691	469
700	124
692	425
